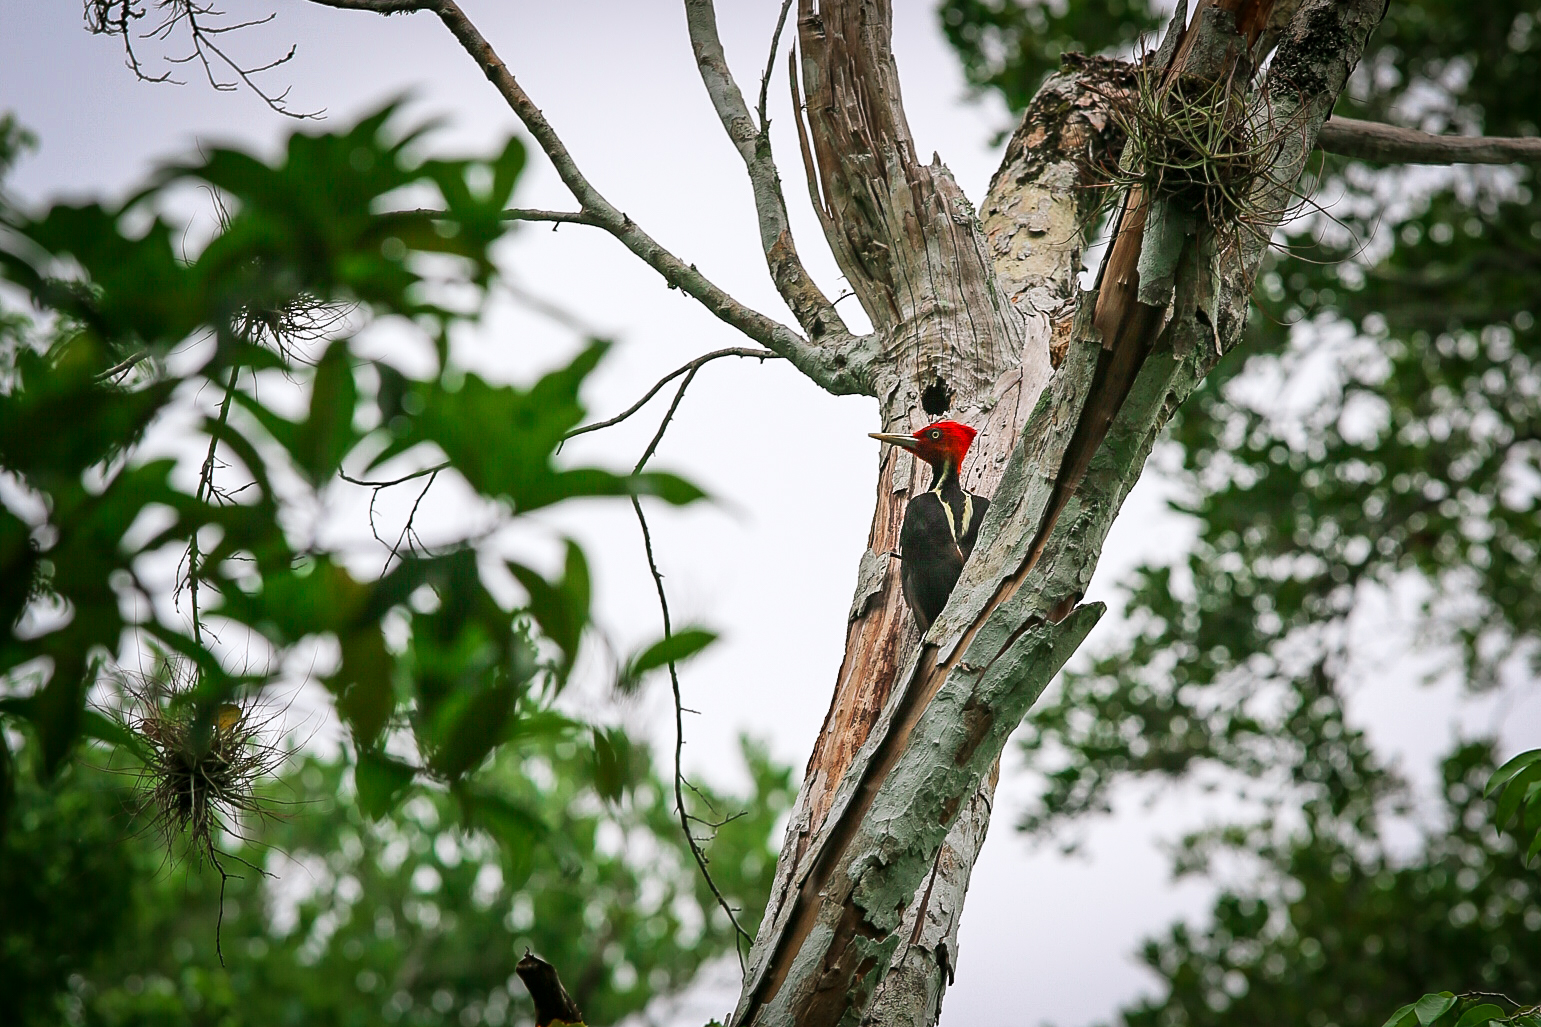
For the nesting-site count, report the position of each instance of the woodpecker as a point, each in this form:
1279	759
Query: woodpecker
941	524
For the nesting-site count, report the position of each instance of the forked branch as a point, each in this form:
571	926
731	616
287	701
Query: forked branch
688	368
204	27
813	309
836	360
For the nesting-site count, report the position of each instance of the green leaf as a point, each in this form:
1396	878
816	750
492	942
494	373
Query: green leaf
317	445
364	685
671	488
518	829
612	763
1515	791
1401	1017
327	435
679	646
105	729
560	608
380	781
308	598
468	725
1479	1015
1432	1006
503	439
57	708
1503	774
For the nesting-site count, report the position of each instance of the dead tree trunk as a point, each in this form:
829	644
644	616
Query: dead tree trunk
970	313
968	310
861	926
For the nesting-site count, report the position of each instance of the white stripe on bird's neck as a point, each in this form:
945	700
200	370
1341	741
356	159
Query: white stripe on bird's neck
947	475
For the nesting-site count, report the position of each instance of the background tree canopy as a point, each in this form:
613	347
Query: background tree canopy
1377	437
150	600
471	814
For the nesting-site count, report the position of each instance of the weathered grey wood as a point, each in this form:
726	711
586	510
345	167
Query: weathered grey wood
861	926
1393	144
1032	225
834	933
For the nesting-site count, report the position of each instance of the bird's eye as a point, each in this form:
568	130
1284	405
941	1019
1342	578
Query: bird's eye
935	434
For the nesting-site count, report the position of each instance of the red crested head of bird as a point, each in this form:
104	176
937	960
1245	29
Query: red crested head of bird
939	444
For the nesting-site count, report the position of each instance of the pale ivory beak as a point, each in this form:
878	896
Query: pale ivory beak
908	442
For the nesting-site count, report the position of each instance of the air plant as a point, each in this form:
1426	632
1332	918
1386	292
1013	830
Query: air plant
1199	143
202	760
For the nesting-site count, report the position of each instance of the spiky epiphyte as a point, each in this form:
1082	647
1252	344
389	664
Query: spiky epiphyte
201	759
1200	143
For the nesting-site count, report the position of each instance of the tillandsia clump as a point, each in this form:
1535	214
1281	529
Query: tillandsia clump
298	319
202	760
1201	144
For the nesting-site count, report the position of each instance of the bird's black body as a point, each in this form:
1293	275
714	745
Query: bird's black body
940	526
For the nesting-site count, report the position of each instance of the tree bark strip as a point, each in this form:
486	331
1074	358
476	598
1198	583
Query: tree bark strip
833	929
969	314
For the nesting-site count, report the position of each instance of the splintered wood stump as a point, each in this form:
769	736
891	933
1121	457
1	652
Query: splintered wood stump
552	1003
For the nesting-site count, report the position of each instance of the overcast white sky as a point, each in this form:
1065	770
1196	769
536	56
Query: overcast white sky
772	564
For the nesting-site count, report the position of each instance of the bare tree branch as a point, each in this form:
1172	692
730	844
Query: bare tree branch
770	64
837	361
1392	144
121	18
812	308
680	783
561	217
690	368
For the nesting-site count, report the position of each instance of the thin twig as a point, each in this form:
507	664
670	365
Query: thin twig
770	64
123	366
663	426
674	678
205	487
690	368
406	529
679	745
117	18
435	469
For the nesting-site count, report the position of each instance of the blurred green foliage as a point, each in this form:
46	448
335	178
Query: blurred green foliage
1340	930
407	919
1011	46
312	249
465	816
1371	455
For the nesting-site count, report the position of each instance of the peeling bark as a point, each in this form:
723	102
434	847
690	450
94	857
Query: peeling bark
977	316
897	792
1031	230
